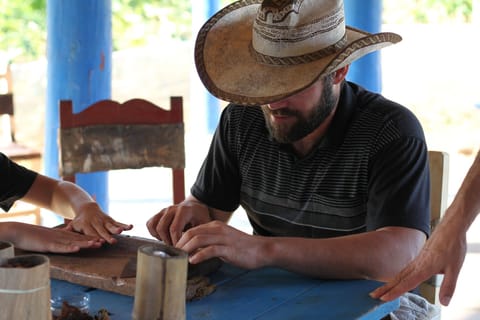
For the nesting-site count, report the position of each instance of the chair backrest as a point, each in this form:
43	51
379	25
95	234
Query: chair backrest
6	101
135	134
438	162
18	152
9	145
6	108
6	81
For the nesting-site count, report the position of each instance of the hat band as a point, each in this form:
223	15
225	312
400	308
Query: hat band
295	60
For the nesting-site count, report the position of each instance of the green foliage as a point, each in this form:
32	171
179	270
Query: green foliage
427	11
23	24
138	22
22	28
458	9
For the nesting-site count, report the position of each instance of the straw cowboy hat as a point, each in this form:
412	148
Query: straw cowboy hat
254	52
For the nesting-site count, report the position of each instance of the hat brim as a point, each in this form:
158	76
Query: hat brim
230	72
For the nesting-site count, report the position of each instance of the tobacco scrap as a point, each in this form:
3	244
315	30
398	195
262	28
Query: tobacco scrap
199	287
69	312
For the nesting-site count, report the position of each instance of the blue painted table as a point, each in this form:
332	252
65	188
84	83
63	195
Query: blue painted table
261	294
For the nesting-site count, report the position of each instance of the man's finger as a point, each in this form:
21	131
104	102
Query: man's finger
447	288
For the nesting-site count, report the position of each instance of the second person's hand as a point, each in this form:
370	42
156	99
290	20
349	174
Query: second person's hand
443	253
42	239
92	221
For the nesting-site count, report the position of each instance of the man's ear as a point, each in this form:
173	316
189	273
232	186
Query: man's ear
340	74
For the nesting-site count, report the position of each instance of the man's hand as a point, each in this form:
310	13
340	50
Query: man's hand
217	239
169	224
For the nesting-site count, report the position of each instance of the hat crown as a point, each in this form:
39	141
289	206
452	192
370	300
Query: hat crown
293	43
293	28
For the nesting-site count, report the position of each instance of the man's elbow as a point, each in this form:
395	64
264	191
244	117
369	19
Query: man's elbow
397	250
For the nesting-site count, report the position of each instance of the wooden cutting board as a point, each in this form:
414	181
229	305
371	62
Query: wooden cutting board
112	267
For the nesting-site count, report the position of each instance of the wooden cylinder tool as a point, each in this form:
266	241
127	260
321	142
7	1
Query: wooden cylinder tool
25	288
161	282
6	250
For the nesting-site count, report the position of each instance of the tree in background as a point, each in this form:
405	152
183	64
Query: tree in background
23	25
427	11
22	29
138	22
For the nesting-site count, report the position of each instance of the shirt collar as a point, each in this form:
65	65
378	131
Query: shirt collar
342	118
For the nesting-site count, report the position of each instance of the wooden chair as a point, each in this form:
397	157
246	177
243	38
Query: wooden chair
109	135
22	212
13	149
6	80
438	162
18	152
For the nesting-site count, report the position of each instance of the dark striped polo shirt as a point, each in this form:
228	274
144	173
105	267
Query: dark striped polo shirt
15	181
369	171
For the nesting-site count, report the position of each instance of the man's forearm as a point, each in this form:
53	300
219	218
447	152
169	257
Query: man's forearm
377	255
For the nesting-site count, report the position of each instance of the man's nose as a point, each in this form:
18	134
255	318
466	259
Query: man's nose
278	104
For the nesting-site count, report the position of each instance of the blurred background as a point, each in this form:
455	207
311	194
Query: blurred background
434	71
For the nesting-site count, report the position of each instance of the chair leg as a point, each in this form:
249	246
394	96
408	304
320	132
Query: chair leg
178	185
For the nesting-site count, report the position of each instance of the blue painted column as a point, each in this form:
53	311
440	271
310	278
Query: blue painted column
205	108
79	54
213	104
366	15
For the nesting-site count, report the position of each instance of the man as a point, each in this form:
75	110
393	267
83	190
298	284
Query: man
334	179
90	226
445	251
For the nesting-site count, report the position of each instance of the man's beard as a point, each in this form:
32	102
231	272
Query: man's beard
304	125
